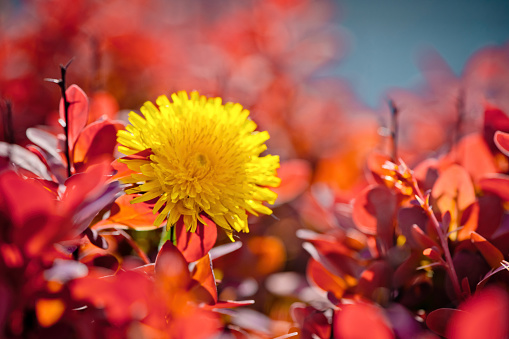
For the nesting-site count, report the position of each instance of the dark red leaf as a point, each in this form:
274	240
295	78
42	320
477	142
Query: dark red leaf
438	320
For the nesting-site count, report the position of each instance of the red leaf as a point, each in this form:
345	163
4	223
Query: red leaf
374	211
497	184
484	316
97	140
438	320
194	245
78	112
312	322
361	321
502	142
85	185
295	176
171	265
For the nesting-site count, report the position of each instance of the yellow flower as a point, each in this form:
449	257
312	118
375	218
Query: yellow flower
205	159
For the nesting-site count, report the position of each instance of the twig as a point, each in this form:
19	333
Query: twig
394	129
61	83
7	121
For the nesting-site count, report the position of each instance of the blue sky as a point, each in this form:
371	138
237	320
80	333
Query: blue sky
387	35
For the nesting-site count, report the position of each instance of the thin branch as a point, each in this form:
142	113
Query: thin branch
7	121
61	83
394	130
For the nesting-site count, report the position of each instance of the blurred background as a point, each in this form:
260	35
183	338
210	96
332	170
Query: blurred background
315	73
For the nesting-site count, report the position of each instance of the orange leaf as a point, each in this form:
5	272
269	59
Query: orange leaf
324	279
492	255
49	311
453	187
205	283
138	216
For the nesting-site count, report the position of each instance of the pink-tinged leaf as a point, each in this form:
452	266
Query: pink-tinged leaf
497	184
45	140
483	316
312	322
194	245
171	265
138	216
295	177
203	285
488	275
97	140
96	239
490	253
25	159
78	112
219	251
438	320
361	321
227	304
81	186
324	279
374	211
453	189
333	255
502	142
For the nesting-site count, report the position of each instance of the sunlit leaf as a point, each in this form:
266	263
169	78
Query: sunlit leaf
194	245
78	112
